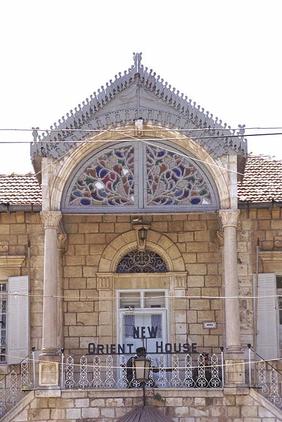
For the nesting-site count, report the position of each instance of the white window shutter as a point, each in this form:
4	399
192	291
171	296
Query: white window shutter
18	319
267	317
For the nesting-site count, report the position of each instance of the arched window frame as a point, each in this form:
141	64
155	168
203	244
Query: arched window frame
140	183
129	263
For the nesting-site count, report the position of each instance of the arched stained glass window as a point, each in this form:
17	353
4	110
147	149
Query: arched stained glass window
141	262
174	180
107	179
139	176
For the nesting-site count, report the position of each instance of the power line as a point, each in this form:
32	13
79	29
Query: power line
95	297
101	366
135	138
144	130
155	139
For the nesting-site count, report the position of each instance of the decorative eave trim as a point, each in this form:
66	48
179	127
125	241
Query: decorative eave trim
262	204
13	208
11	261
187	115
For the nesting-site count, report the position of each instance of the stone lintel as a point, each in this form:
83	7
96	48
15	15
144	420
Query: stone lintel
271	261
11	261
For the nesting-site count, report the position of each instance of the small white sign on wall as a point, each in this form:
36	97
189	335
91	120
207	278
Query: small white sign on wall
209	324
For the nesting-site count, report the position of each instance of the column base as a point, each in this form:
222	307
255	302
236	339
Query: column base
234	369
49	369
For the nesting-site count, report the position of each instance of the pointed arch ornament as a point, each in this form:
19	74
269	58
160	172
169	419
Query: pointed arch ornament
139	176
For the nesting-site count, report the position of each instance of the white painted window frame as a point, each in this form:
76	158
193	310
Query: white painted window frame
267	316
142	310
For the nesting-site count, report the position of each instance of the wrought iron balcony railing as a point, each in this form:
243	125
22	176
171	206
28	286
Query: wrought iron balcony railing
167	371
265	377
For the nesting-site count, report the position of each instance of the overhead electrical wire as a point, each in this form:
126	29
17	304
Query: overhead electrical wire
94	297
160	139
54	130
219	364
134	137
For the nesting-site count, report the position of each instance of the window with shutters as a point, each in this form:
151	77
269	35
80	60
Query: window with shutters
17	332
3	321
279	298
267	317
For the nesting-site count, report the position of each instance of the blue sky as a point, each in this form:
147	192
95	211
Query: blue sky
223	54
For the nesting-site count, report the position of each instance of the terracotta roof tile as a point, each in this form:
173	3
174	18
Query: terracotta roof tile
20	189
262	181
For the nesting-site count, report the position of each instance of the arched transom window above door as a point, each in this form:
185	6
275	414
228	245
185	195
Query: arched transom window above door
141	262
139	176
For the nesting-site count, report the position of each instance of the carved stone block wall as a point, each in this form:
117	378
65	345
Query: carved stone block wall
90	301
21	253
262	228
236	405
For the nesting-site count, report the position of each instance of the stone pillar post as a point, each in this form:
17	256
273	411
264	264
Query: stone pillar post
231	288
48	371
178	286
107	307
234	368
60	291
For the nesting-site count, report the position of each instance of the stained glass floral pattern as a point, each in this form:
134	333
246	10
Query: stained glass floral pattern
172	179
139	176
141	262
107	180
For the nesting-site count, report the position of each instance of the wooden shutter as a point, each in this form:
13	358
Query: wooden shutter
17	320
267	317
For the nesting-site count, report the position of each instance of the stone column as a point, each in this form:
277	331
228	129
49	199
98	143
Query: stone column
234	362
51	221
48	370
60	291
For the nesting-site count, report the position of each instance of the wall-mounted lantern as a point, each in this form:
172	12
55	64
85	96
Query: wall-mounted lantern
141	232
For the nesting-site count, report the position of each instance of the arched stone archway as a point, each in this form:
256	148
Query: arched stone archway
64	169
127	242
174	282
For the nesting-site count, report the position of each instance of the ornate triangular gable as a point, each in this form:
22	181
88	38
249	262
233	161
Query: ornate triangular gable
139	93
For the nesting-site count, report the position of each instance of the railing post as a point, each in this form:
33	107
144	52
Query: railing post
222	365
33	368
250	364
62	368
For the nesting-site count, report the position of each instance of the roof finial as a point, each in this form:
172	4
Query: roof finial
137	57
241	130
35	134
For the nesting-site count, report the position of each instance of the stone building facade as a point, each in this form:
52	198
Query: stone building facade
146	225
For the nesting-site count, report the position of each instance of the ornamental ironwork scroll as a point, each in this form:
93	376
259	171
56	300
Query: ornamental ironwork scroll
172	179
141	262
107	179
176	371
141	176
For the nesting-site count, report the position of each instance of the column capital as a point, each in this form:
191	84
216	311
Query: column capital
51	219
229	218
